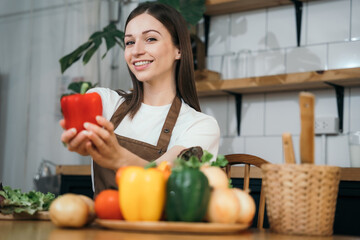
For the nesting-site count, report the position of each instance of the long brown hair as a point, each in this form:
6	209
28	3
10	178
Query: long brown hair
184	71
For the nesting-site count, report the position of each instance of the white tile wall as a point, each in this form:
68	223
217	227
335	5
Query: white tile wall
218	108
355	20
263	63
252	115
328	21
305	59
338	151
269	148
354	110
248	31
230	145
344	55
282	113
218	35
281	27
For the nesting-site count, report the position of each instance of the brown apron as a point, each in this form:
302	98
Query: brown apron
105	178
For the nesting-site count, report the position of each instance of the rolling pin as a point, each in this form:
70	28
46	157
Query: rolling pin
307	134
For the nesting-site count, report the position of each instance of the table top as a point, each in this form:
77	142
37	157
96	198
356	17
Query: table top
39	230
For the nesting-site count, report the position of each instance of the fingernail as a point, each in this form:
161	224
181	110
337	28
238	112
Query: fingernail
86	133
73	130
97	118
86	125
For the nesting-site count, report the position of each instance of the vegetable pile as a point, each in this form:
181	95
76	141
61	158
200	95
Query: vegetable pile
14	201
193	190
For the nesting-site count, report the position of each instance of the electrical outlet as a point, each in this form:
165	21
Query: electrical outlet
326	125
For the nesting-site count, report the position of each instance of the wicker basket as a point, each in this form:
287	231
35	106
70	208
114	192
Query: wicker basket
301	198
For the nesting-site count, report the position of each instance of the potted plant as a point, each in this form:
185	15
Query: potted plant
191	10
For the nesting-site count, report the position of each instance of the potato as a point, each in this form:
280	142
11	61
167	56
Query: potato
71	210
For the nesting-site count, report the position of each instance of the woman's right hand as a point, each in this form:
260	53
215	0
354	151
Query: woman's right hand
73	141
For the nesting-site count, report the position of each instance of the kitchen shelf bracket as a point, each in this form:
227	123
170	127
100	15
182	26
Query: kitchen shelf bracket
238	101
339	90
298	15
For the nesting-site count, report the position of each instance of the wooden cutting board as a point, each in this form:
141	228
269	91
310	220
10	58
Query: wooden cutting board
42	215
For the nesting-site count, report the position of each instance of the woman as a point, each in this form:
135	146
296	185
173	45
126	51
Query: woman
161	116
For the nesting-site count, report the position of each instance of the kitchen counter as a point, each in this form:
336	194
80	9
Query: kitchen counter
39	230
347	174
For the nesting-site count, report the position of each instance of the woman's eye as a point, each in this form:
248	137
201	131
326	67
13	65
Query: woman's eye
151	39
128	43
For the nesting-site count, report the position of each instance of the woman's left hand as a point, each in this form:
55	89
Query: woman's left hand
104	147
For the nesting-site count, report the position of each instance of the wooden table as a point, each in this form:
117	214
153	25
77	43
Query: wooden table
39	230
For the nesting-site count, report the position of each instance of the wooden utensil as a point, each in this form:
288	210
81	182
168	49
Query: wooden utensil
288	148
307	134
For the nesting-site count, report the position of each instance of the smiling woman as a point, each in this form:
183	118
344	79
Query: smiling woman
161	116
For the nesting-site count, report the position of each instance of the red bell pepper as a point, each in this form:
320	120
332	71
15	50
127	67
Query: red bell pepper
80	108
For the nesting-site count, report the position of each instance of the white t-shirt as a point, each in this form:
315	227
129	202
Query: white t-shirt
192	128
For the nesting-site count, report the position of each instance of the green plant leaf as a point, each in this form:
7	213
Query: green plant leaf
112	37
76	86
191	10
68	60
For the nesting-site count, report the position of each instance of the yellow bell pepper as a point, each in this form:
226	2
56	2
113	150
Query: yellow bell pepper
142	193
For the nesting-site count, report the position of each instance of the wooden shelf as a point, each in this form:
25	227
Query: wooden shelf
218	7
349	77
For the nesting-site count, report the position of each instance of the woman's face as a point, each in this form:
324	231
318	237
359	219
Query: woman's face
149	50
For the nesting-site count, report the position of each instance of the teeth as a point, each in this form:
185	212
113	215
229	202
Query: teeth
141	63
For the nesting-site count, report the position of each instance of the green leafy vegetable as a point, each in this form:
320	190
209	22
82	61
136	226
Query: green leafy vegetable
14	201
194	162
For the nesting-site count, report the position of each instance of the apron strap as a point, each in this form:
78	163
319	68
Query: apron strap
169	124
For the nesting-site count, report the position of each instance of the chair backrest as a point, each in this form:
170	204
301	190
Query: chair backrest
248	160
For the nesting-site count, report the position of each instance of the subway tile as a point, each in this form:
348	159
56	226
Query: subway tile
281	27
305	59
265	63
218	35
282	113
338	151
325	103
268	148
218	108
252	115
354	109
231	145
355	20
328	21
247	31
344	55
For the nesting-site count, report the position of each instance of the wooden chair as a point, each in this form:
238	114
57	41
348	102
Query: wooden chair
248	160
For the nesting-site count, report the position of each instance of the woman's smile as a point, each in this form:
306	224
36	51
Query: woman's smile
142	64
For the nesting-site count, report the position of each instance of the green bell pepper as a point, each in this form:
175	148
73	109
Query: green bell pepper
188	194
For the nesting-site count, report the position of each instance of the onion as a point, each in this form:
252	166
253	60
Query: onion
71	210
223	206
247	206
216	176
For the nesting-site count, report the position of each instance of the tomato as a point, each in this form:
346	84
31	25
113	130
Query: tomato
107	205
